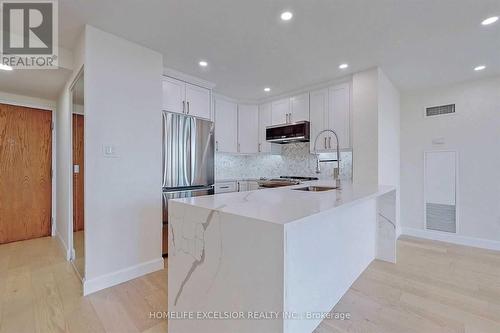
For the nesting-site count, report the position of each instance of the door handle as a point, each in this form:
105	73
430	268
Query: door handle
183	106
330	142
286	117
325	142
216	145
259	150
188	107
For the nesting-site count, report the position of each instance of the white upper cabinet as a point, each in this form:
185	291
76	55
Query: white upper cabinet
319	117
280	110
226	126
330	109
173	95
264	121
248	126
339	115
299	108
197	101
182	97
290	110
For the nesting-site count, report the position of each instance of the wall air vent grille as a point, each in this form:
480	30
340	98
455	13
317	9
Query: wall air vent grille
440	110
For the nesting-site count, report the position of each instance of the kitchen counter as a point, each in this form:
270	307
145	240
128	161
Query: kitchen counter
284	204
274	251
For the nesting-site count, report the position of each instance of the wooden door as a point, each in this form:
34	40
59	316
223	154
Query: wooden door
198	101
78	173
25	173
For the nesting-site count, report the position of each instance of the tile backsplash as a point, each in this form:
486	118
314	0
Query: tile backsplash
295	160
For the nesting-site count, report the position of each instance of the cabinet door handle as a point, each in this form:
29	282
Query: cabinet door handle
216	145
330	142
239	147
286	118
259	149
183	106
188	107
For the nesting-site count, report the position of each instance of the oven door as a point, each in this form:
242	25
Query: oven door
177	194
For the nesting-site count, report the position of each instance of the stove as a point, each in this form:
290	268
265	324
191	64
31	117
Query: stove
283	181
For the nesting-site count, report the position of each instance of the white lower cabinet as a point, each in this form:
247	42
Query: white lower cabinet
330	109
247	185
226	187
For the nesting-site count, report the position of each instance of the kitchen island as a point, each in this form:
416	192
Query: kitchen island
273	260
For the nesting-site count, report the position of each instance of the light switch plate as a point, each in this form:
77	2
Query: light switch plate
438	141
110	151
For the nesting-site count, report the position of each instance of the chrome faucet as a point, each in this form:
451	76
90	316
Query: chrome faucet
336	171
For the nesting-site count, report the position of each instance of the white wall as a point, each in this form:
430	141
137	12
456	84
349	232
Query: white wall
475	133
123	206
364	127
389	136
64	210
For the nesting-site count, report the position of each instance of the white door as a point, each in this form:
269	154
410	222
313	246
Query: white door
197	101
248	129
226	126
319	119
173	95
339	115
299	108
280	110
264	121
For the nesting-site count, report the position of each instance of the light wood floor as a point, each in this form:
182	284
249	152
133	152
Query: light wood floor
40	292
434	288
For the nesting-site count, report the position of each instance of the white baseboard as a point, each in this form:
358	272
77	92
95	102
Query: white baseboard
64	247
123	275
453	238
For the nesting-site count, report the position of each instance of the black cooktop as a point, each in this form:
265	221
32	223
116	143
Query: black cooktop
299	178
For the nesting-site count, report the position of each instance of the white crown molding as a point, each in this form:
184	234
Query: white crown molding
308	88
188	78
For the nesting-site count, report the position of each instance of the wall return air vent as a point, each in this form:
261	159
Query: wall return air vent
439	110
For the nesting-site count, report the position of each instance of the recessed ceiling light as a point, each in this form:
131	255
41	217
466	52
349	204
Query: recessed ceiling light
267	89
490	20
5	67
479	68
343	66
286	16
203	63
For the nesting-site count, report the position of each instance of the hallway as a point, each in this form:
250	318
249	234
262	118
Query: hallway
40	292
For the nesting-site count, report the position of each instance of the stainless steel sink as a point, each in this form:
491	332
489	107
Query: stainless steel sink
316	188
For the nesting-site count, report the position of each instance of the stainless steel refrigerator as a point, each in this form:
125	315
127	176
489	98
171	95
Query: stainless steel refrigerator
188	160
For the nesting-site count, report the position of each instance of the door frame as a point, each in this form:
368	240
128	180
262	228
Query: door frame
70	148
29	102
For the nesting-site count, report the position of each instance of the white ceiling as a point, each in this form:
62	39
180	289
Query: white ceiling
418	43
40	83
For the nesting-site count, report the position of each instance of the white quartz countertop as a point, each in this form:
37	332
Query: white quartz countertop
284	205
